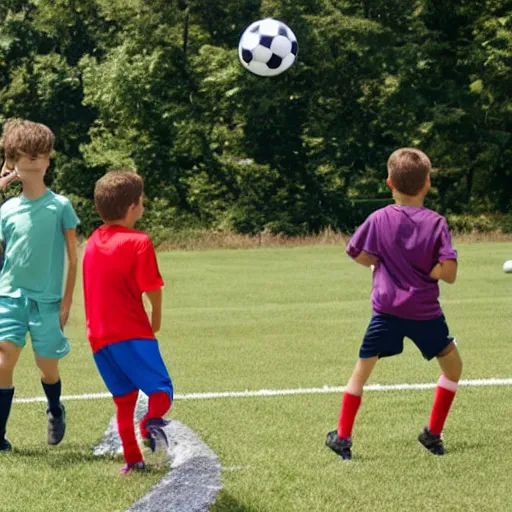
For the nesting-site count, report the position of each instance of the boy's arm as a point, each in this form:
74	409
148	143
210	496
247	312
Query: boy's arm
363	245
445	271
67	299
366	259
446	268
155	297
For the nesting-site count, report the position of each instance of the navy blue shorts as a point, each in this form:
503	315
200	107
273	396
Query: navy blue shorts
385	336
132	365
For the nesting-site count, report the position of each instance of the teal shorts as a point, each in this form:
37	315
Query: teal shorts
19	316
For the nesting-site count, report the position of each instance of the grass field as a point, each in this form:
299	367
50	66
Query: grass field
288	318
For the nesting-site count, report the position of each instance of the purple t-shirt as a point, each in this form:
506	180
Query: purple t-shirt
408	242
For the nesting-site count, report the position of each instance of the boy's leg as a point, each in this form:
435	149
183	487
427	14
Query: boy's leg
340	440
9	354
52	386
451	365
50	345
111	362
433	339
159	404
139	363
13	330
125	410
352	395
383	338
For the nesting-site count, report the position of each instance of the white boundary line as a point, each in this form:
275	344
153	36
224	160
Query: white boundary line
284	392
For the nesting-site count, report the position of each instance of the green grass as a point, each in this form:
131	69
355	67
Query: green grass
288	318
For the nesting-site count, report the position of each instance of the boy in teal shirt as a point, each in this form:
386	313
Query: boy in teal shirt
36	228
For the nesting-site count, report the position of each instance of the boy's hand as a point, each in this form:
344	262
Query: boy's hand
7	178
435	273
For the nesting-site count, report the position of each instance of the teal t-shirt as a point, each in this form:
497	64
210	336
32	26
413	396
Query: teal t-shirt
32	231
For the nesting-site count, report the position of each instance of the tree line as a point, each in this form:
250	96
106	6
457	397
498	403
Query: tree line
156	85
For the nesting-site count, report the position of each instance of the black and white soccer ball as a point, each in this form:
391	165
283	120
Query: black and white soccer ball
267	47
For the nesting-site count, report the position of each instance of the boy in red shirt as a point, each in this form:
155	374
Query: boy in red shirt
119	267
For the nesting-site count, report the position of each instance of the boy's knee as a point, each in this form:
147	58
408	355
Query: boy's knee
9	354
451	350
49	369
451	362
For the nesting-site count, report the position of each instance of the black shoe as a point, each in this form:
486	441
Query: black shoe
339	445
156	438
432	442
5	446
56	426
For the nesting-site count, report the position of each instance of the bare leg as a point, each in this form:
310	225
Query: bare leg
360	375
450	362
9	355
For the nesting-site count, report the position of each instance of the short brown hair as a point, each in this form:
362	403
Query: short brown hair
115	192
408	170
21	135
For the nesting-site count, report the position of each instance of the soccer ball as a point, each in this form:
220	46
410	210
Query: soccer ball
267	47
507	267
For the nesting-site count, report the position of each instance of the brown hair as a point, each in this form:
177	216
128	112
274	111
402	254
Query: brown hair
115	192
20	135
408	170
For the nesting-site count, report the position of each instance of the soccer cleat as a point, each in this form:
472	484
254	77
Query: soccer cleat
56	426
156	439
5	446
339	445
432	442
137	466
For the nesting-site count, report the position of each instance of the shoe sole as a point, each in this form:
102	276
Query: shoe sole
344	454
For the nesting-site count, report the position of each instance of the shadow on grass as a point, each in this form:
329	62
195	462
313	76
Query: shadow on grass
226	503
61	456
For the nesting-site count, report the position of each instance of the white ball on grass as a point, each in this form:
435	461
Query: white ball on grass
507	267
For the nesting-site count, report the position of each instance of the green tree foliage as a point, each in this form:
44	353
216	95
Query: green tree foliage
156	85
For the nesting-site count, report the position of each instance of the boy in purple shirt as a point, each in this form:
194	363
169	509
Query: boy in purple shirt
409	249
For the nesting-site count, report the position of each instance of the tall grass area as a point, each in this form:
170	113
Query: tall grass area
288	317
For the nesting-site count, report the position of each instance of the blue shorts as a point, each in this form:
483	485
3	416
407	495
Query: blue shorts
130	365
385	336
19	316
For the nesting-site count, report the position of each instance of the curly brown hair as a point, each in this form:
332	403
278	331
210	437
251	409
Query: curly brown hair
115	192
23	136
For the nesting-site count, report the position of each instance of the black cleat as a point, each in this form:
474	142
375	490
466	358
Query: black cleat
5	446
56	426
432	442
339	445
157	438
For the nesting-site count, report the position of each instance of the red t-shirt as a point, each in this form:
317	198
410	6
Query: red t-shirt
119	266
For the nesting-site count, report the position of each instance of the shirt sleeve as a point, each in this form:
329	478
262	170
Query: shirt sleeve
446	250
364	239
70	219
147	273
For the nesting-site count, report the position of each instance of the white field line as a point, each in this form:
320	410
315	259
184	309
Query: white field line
284	392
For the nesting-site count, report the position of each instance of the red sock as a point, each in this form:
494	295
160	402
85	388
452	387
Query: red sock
125	411
349	406
445	393
159	404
